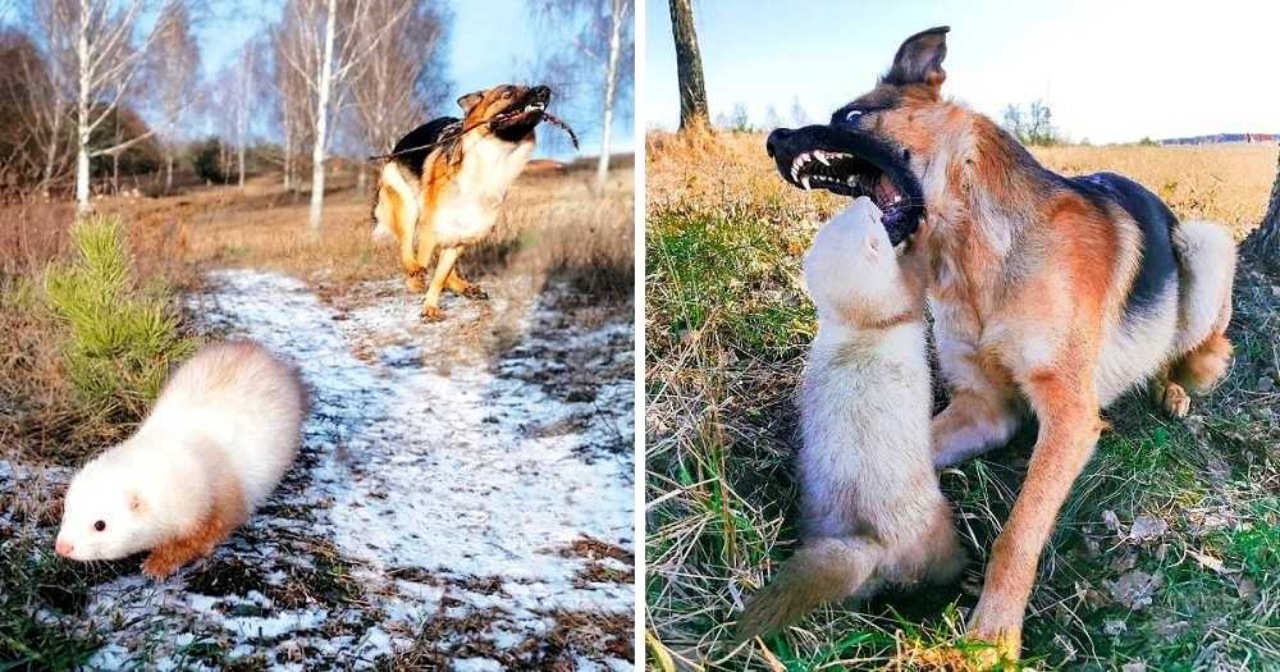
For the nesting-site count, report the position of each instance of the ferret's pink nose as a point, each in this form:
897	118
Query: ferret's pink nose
63	548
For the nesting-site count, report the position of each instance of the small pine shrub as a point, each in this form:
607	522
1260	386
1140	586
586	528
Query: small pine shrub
119	341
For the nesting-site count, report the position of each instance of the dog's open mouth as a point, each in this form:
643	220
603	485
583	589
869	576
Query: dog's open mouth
851	164
845	174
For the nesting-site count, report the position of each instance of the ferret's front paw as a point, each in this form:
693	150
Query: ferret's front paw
159	567
1175	401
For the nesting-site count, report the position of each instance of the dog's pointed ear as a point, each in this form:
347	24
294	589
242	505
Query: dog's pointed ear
470	100
919	59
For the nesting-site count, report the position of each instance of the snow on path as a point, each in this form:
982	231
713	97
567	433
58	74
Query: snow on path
450	478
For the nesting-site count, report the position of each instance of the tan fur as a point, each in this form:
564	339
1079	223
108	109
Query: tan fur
227	510
1027	286
415	211
874	515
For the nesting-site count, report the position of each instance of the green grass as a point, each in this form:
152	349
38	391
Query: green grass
728	326
119	340
115	342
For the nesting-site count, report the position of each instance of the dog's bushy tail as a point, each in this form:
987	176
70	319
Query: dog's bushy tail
823	570
1207	261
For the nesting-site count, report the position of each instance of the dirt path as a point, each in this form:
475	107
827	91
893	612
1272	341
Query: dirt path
464	497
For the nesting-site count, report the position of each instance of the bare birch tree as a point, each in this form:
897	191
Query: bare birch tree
175	69
246	72
402	81
101	44
330	40
292	96
602	37
50	113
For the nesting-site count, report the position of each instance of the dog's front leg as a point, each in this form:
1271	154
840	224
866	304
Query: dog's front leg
1066	404
981	414
444	267
426	248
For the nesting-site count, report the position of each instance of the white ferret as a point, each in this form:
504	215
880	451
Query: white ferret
873	515
223	433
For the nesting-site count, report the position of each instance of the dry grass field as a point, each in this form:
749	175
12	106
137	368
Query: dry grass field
345	568
1163	557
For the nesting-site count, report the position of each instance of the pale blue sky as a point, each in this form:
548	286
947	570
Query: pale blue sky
1111	70
492	43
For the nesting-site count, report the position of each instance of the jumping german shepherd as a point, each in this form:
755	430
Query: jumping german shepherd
1063	292
447	179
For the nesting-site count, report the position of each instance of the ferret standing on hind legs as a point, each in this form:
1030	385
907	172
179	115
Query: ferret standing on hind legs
873	513
222	434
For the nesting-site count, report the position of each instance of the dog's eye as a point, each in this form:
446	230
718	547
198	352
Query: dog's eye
100	525
853	114
506	94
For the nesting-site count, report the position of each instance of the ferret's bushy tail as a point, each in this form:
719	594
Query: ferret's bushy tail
821	571
1207	256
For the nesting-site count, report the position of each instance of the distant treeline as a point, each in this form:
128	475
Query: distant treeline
1219	138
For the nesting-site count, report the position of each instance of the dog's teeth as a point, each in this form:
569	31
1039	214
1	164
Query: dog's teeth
897	198
805	181
821	156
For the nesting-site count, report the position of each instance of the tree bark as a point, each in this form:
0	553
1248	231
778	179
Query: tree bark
83	129
1264	242
693	90
322	121
610	88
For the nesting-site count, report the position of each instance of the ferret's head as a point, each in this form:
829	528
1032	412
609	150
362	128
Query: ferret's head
102	517
852	271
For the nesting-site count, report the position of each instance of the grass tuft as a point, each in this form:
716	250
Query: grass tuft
1162	555
119	341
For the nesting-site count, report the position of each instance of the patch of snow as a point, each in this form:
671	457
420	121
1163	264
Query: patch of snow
441	470
476	665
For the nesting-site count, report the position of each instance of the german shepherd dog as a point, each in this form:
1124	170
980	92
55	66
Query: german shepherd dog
447	179
1059	292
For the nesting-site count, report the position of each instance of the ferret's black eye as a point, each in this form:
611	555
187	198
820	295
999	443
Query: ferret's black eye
100	525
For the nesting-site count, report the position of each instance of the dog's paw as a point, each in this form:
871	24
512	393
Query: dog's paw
474	292
997	637
432	314
415	284
1175	401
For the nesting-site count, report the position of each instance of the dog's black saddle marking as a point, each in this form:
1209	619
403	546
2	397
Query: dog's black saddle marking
1159	265
418	143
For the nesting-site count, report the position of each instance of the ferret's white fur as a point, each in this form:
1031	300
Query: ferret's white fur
231	410
873	512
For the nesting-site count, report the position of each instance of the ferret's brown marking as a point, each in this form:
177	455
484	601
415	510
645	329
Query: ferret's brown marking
137	504
227	511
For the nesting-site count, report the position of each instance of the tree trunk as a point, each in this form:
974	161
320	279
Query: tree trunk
51	156
693	90
1264	242
610	87
322	122
288	157
168	171
83	131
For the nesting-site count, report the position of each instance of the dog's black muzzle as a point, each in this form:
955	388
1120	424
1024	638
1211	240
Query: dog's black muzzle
848	161
522	116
